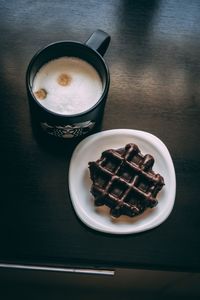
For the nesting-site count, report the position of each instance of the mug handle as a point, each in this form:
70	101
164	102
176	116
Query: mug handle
99	41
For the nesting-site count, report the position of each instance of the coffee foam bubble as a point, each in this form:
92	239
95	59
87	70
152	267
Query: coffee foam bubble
71	84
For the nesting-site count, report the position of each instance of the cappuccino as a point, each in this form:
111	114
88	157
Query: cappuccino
67	85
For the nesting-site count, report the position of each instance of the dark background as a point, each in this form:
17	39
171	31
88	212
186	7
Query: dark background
154	62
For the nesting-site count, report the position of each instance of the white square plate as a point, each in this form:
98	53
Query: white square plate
99	218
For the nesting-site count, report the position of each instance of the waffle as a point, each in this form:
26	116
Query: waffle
124	181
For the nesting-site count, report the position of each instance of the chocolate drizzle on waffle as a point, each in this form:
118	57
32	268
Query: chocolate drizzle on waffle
124	181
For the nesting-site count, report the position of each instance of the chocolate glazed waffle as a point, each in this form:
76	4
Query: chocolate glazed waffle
124	181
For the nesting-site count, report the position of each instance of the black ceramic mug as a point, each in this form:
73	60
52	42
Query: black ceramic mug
83	123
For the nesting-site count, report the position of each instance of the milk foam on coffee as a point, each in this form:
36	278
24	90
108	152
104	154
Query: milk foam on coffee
67	85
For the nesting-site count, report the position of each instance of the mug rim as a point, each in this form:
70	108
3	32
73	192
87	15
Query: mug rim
32	61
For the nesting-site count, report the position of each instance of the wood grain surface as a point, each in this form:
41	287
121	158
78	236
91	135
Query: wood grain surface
154	62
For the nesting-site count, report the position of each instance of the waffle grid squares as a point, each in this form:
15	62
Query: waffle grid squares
123	180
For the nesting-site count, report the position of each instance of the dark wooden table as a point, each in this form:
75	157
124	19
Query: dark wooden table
154	61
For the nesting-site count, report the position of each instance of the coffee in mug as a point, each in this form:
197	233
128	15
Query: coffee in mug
67	85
